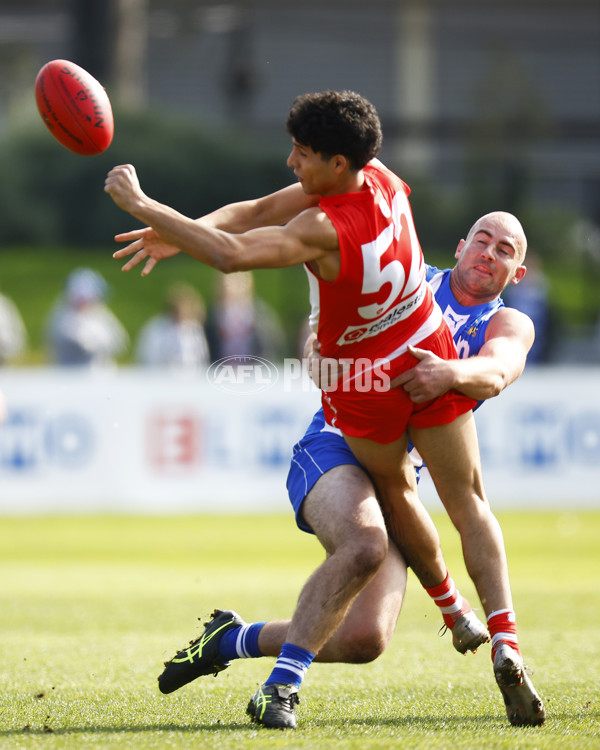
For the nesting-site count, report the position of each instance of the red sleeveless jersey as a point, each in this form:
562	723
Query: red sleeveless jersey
380	297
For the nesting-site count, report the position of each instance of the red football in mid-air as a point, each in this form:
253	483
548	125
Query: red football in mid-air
74	107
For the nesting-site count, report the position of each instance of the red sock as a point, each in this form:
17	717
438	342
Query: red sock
502	625
449	600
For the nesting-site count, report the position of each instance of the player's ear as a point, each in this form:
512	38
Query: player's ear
519	274
459	247
340	162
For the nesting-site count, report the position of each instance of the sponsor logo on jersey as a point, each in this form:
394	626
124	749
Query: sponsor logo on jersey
454	320
400	312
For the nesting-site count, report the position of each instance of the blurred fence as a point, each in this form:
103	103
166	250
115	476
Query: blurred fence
137	441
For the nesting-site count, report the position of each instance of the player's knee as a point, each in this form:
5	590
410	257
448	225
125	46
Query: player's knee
370	550
364	644
472	515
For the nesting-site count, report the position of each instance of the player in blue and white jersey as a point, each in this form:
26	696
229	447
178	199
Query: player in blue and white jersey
468	324
353	599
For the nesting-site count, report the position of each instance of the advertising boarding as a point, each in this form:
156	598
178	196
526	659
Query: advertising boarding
132	441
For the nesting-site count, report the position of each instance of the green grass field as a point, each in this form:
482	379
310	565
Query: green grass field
90	607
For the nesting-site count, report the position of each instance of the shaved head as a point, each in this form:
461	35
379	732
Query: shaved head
510	226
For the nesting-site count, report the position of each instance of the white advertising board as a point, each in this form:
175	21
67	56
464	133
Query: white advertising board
131	440
540	441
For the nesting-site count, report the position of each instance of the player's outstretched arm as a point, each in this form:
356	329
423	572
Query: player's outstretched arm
271	210
500	361
144	245
170	232
309	236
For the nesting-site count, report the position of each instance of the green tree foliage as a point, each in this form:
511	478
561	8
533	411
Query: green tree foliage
51	196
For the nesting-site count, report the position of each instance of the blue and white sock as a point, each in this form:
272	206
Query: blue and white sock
241	643
291	665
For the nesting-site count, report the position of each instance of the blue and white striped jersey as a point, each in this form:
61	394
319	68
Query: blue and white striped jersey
467	324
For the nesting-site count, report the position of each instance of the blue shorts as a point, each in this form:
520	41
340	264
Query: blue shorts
322	448
319	451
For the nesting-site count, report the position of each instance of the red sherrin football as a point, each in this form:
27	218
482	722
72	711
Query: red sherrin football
74	107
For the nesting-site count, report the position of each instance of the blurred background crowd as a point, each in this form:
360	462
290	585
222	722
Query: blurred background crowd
82	330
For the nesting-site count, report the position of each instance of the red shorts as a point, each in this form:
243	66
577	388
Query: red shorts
359	410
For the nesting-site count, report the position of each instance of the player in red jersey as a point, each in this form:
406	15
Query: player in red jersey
378	305
335	137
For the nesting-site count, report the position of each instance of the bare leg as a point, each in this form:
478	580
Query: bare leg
409	522
369	624
451	453
414	532
456	473
343	511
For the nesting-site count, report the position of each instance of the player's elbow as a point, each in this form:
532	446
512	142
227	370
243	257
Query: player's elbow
226	262
233	257
496	385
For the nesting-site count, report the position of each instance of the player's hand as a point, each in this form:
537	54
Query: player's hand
429	378
312	358
123	186
324	372
145	245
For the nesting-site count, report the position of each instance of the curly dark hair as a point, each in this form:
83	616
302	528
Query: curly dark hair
336	122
